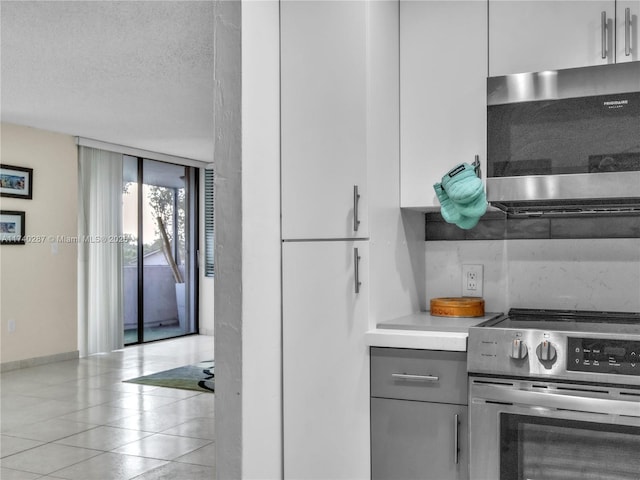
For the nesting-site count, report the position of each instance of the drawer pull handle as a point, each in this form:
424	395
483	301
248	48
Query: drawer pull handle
409	376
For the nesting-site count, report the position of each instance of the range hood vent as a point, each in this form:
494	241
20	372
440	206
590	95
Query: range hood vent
571	208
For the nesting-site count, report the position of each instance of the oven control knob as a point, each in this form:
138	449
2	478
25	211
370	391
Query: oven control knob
518	349
546	352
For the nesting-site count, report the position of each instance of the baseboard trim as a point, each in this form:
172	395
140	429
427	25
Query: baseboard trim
34	362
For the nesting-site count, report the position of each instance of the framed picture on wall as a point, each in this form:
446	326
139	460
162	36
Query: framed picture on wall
11	227
16	182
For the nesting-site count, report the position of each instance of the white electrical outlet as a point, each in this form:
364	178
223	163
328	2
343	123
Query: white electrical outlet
472	280
11	326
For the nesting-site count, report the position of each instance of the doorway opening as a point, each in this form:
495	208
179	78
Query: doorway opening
160	213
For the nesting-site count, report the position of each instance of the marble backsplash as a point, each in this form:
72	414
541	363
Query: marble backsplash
576	274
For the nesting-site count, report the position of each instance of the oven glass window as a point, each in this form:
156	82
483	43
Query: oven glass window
537	448
575	135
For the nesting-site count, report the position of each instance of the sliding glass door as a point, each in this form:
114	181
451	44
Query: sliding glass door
160	269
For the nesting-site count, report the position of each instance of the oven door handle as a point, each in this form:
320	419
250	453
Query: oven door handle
556	400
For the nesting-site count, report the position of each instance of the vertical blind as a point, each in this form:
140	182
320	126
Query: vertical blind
208	223
100	275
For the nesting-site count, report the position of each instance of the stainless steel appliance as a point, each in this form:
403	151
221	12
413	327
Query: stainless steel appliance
565	140
555	395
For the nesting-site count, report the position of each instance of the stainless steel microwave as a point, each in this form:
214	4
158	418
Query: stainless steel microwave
565	140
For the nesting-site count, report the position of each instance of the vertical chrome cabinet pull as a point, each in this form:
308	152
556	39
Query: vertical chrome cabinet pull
476	166
456	448
356	268
627	32
603	26
356	197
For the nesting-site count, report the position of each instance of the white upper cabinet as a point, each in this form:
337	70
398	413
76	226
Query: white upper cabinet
627	31
443	70
538	35
324	119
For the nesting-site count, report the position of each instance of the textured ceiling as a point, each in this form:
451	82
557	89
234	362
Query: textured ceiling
136	73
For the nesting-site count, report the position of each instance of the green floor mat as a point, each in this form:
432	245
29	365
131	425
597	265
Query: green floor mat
197	377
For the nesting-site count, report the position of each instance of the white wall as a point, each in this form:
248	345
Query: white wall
396	250
261	266
38	288
229	249
593	274
248	285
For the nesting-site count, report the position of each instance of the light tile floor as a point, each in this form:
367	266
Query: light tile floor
77	420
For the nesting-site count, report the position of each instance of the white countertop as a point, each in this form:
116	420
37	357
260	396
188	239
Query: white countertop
424	331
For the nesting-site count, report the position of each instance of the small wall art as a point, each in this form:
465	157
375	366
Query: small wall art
16	182
12	227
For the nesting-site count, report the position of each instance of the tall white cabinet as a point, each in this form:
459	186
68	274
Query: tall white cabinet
325	233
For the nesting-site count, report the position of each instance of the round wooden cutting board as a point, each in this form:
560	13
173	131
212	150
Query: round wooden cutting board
457	307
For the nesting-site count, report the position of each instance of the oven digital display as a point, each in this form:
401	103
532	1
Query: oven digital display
617	352
621	357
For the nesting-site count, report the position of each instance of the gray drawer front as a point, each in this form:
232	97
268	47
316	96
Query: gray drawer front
410	375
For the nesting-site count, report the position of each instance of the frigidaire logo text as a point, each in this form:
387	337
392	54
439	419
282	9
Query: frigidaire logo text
615	103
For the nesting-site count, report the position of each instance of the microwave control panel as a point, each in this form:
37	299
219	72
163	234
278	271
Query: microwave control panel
620	357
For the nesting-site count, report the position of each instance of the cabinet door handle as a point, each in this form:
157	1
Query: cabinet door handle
356	198
603	27
356	269
476	166
627	31
409	376
456	433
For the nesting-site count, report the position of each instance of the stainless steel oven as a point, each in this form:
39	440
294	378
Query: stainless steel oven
555	395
